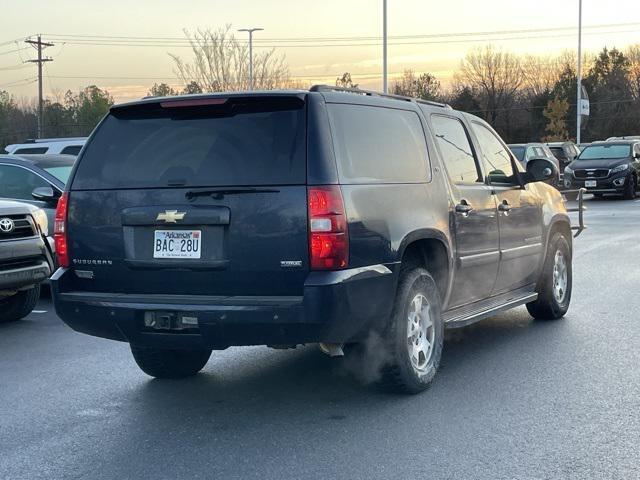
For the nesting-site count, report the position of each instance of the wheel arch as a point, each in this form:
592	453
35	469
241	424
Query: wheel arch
431	249
559	223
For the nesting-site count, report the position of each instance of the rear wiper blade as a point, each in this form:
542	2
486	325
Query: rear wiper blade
219	193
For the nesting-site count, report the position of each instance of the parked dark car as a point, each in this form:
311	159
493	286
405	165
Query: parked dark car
25	259
606	167
35	179
526	151
565	152
200	222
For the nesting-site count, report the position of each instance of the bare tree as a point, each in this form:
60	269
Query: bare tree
221	63
424	86
345	81
633	54
497	75
539	74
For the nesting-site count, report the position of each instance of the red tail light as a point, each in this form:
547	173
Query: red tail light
60	231
328	235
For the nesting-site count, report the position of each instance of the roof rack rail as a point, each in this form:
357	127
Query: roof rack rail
372	93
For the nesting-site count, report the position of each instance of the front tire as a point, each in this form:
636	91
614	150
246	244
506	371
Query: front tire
415	335
19	305
163	363
555	284
630	187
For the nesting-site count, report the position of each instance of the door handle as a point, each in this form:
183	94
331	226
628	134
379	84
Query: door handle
504	206
463	207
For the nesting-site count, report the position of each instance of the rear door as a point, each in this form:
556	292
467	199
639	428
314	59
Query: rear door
474	214
203	196
519	214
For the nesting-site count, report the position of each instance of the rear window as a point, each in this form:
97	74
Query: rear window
378	145
558	152
242	142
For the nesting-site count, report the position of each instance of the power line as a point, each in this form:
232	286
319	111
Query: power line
18	83
61	37
372	44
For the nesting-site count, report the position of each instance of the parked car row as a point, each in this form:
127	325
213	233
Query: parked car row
606	167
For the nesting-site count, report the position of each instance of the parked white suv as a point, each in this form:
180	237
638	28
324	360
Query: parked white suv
48	146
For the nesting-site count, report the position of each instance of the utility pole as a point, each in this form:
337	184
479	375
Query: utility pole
251	30
39	45
384	47
579	75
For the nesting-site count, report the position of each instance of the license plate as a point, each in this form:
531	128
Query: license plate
177	243
590	183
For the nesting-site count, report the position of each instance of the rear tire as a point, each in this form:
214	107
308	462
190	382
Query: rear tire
19	305
415	335
163	363
630	187
555	284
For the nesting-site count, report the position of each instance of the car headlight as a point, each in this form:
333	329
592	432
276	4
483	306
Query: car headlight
568	171
620	168
40	217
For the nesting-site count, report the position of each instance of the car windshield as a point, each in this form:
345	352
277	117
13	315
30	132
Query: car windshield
61	173
518	152
606	152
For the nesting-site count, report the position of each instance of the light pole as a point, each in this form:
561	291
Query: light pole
579	75
384	46
251	30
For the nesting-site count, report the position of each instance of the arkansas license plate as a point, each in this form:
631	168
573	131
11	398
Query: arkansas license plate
590	183
177	243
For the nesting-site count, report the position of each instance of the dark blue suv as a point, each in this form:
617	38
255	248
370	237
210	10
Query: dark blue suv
282	218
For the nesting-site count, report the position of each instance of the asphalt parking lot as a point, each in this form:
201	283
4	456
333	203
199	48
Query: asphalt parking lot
514	398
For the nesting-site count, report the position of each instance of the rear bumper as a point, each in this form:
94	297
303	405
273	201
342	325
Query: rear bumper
336	307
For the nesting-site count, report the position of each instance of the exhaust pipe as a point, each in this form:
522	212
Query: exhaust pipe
332	349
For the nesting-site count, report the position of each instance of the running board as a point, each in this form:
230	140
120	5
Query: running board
468	314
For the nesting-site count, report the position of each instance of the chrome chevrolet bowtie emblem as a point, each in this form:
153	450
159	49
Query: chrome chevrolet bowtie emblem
6	225
170	216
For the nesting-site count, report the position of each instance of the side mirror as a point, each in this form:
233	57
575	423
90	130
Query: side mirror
540	170
44	194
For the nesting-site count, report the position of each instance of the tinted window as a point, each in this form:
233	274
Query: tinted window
71	150
456	150
61	173
378	145
17	182
606	152
518	152
496	156
260	142
31	151
558	152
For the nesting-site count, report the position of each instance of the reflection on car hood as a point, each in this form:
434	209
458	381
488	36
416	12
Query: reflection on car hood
597	163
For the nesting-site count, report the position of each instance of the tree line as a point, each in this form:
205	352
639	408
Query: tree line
526	98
